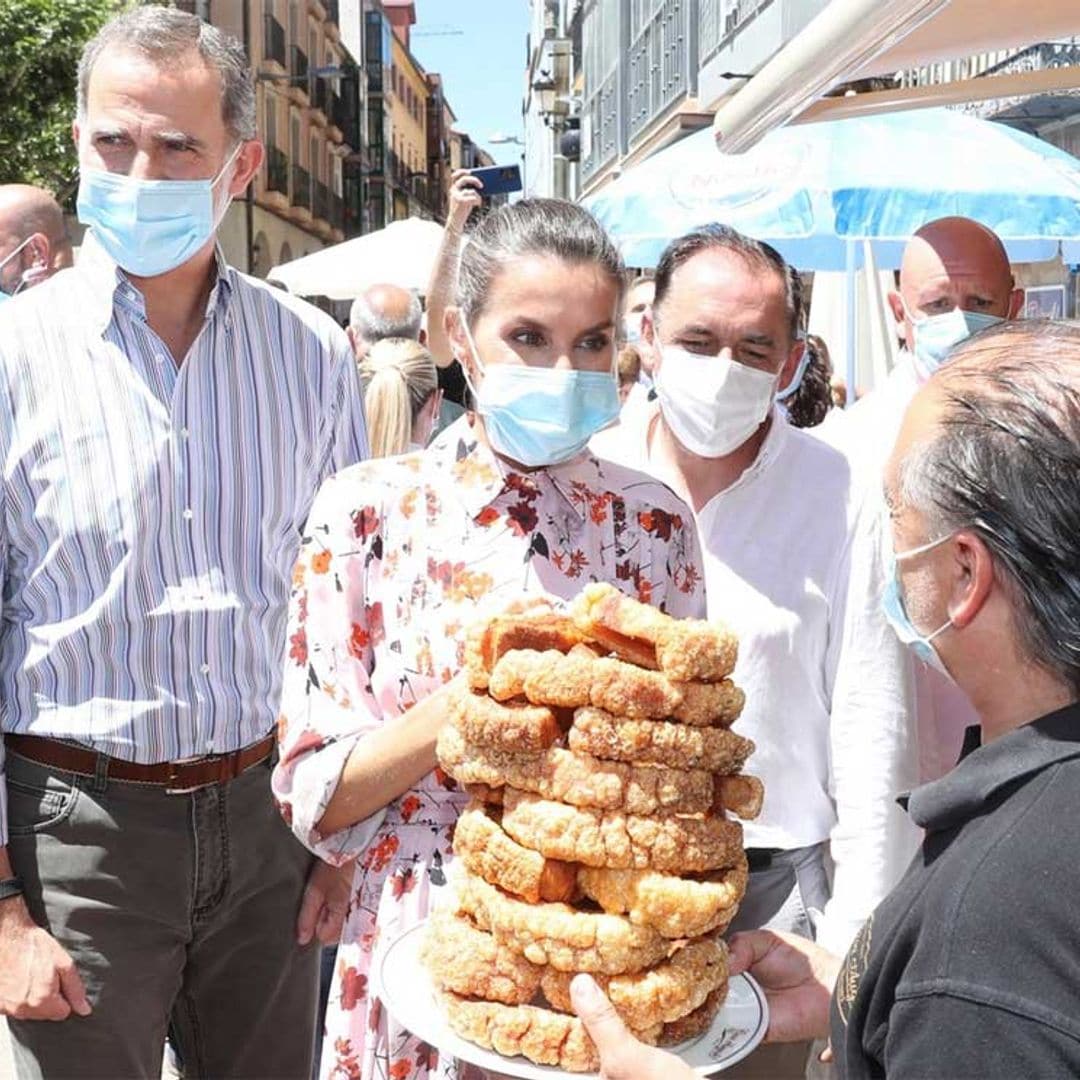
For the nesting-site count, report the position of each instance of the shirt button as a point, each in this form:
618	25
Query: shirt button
184	432
189	514
205	669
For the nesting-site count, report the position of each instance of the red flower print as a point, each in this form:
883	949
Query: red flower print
409	805
309	740
488	516
359	640
644	590
298	647
578	562
400	1069
378	856
522	518
365	522
626	571
347	1062
320	562
374	1014
427	1057
558	559
525	487
402	883
353	988
286	812
441	573
444	780
690	578
598	507
659	522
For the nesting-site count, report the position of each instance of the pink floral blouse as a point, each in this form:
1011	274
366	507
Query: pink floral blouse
399	556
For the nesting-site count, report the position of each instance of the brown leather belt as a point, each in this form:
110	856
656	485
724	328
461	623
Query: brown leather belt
176	776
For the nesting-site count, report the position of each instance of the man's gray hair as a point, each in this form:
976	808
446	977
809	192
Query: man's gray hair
374	325
165	36
1003	463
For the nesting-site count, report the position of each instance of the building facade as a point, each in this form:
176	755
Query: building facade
306	98
654	70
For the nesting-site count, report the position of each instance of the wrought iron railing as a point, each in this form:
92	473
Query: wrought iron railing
273	40
277	170
301	188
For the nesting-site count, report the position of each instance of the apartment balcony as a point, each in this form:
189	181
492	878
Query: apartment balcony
318	9
320	207
298	75
276	188
332	25
337	215
300	195
337	125
274	45
320	95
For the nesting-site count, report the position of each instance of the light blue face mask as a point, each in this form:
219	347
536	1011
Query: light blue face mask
23	278
892	604
149	227
542	416
937	335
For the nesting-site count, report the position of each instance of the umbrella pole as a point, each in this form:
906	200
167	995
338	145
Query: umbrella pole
849	282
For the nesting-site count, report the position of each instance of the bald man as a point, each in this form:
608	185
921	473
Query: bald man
955	280
383	311
33	238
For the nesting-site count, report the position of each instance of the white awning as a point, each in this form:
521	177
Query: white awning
854	39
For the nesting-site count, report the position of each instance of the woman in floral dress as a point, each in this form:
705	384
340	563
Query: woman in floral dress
400	555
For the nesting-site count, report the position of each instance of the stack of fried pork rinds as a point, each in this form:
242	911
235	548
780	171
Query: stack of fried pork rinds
598	751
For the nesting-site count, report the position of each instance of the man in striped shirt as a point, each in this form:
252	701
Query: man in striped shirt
164	425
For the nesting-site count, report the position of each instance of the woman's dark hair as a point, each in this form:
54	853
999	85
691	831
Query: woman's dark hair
810	404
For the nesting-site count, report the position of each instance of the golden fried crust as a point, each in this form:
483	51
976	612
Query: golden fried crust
662	994
488	640
618	840
483	847
470	961
558	935
656	742
739	795
696	1023
673	906
717	704
485	793
579	779
627	690
543	1036
684	649
517	727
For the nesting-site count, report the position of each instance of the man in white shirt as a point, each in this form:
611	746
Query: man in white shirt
793	564
955	280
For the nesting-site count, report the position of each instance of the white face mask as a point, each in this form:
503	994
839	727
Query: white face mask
712	404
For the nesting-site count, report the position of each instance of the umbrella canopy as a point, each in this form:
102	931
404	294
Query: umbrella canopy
813	189
401	254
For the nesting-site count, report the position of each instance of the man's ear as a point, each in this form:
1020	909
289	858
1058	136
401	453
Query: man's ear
973	577
896	306
247	165
1016	304
791	364
650	342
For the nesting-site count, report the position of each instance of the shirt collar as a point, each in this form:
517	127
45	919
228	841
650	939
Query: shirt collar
983	771
481	476
776	438
110	287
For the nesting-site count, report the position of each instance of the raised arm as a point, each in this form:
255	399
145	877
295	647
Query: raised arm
464	196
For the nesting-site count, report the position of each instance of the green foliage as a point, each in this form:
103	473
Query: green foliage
40	44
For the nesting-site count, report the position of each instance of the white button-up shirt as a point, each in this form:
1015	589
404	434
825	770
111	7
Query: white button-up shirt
866	434
152	513
793	564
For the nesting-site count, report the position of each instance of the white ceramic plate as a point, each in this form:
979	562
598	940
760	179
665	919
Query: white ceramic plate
408	994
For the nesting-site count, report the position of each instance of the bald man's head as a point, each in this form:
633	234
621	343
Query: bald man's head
383	311
33	237
954	263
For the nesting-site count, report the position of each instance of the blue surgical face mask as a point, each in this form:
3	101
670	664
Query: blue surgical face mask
937	335
892	604
24	278
542	416
149	227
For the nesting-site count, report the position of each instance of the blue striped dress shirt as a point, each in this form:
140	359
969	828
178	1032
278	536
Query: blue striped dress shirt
151	512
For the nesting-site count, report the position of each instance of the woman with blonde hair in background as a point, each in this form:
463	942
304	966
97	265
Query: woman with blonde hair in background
401	396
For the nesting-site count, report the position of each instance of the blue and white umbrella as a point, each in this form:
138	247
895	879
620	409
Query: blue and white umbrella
816	190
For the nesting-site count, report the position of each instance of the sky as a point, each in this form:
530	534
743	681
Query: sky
483	67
